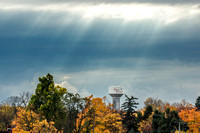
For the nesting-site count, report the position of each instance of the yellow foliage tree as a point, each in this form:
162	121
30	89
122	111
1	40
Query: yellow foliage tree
6	115
28	121
25	120
45	127
192	117
112	122
99	117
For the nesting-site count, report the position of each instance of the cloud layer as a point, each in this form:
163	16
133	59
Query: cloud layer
101	1
149	47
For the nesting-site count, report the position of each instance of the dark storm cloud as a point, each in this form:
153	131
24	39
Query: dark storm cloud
35	40
25	44
155	56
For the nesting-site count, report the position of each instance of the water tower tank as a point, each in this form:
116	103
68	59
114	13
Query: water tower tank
116	92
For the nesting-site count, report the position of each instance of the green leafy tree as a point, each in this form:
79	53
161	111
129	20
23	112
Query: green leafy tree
146	119
130	120
148	111
73	105
158	119
166	122
47	100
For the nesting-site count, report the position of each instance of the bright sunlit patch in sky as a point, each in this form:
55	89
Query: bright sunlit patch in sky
137	12
127	12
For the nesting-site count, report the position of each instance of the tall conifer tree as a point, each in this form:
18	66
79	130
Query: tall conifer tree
130	121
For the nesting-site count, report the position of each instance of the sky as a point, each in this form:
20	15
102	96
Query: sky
149	47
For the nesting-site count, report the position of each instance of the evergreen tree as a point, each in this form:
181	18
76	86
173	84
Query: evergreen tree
197	104
130	121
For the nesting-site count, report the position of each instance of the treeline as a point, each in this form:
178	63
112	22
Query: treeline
52	109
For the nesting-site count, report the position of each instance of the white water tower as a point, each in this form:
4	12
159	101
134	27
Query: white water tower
116	92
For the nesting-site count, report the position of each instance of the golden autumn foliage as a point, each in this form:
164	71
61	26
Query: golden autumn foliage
7	113
45	127
28	121
192	117
25	120
112	122
99	115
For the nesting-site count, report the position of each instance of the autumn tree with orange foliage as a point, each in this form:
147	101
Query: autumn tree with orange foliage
192	117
